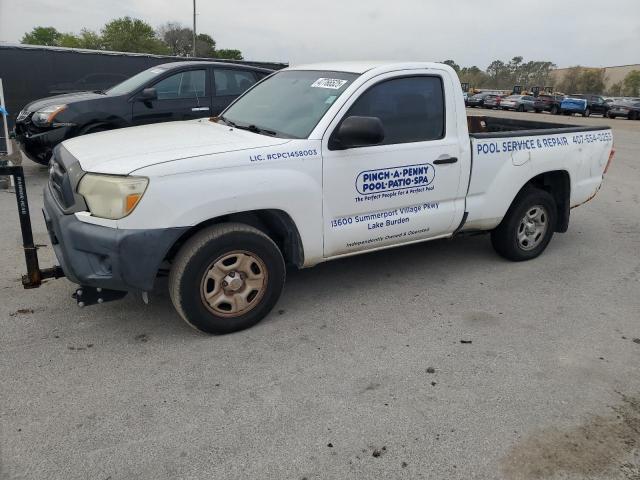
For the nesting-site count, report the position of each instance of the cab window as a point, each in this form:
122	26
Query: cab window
411	108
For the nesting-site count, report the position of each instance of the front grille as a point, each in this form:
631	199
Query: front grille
60	183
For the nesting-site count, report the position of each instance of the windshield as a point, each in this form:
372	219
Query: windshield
135	82
290	103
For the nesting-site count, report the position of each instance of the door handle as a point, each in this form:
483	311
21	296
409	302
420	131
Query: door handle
199	109
442	161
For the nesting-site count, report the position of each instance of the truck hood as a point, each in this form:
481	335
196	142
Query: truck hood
120	152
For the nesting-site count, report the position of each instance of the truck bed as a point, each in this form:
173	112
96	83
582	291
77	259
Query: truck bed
508	153
493	127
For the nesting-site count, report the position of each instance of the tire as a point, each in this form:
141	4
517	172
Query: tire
520	108
633	116
555	110
217	256
586	113
538	110
512	239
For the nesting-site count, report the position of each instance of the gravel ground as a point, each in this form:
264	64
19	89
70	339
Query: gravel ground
438	361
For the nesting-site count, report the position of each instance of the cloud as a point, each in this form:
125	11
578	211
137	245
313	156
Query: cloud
567	32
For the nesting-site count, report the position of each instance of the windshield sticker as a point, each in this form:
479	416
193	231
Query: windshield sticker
332	83
331	99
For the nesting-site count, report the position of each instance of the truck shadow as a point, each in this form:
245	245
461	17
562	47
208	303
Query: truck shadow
376	276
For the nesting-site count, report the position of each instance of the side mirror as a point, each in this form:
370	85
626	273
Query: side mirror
148	94
357	132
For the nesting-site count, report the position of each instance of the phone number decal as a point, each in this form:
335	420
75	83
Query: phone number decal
395	178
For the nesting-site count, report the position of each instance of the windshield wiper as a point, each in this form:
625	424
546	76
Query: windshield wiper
250	128
254	129
228	122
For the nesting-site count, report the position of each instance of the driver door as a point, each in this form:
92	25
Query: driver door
184	95
407	188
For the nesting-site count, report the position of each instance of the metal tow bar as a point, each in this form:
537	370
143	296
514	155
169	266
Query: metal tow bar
35	275
84	295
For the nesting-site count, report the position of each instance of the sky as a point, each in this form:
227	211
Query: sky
471	32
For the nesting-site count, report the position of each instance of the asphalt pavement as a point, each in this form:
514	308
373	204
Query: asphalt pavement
435	361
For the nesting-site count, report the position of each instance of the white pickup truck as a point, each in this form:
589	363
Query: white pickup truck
312	164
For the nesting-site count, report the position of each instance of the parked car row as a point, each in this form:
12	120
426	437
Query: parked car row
163	93
556	104
628	109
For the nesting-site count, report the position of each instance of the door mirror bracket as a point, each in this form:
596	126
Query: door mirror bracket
148	94
357	131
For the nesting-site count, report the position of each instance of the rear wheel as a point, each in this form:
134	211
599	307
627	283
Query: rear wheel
528	226
555	110
633	115
586	113
520	108
226	278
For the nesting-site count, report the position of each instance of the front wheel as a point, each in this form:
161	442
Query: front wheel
555	110
528	226
586	113
226	278
521	108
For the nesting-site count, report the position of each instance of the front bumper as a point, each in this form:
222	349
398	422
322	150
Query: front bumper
111	258
39	146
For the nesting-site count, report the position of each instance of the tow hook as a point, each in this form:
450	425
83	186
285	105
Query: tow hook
86	296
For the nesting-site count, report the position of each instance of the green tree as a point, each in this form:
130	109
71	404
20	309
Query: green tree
499	74
179	39
453	65
475	77
229	54
615	90
631	84
69	40
128	34
91	40
592	80
515	72
47	36
570	82
583	80
206	46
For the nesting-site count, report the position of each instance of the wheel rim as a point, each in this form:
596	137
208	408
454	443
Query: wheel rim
234	283
532	227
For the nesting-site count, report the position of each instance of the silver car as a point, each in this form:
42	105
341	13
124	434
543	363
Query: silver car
521	103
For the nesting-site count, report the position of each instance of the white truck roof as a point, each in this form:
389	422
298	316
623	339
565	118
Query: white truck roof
364	66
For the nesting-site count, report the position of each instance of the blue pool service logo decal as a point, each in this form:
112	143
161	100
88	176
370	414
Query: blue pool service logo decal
395	178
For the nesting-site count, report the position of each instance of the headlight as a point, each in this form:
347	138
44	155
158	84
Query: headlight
45	116
112	197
